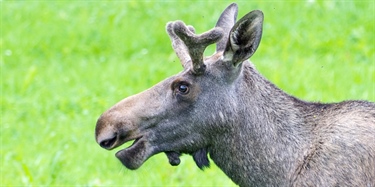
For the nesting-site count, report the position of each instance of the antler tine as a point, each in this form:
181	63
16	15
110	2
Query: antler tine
178	46
196	44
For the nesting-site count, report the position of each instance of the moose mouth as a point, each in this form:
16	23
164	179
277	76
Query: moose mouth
135	140
135	155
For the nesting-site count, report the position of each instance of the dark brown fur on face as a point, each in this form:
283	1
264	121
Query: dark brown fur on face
223	107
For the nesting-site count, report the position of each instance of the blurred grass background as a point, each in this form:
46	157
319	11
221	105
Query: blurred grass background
65	62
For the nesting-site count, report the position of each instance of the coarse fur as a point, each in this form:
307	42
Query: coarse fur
256	133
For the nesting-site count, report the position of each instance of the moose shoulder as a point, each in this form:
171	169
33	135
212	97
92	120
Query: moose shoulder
222	106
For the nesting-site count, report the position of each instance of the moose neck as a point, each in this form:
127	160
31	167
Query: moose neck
265	137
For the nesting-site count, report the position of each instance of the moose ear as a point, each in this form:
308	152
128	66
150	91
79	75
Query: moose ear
244	38
226	21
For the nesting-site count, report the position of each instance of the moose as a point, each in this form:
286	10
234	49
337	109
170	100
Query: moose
223	107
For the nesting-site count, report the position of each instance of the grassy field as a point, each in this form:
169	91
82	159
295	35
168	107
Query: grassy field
65	62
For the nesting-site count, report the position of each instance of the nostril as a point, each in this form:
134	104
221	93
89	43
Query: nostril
108	143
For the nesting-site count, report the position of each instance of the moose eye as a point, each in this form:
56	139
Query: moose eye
180	87
183	88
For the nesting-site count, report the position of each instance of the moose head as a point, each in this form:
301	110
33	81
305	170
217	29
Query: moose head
188	112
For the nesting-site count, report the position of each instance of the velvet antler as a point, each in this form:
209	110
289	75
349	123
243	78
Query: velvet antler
189	46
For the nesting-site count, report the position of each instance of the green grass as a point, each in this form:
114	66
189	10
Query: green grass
65	62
